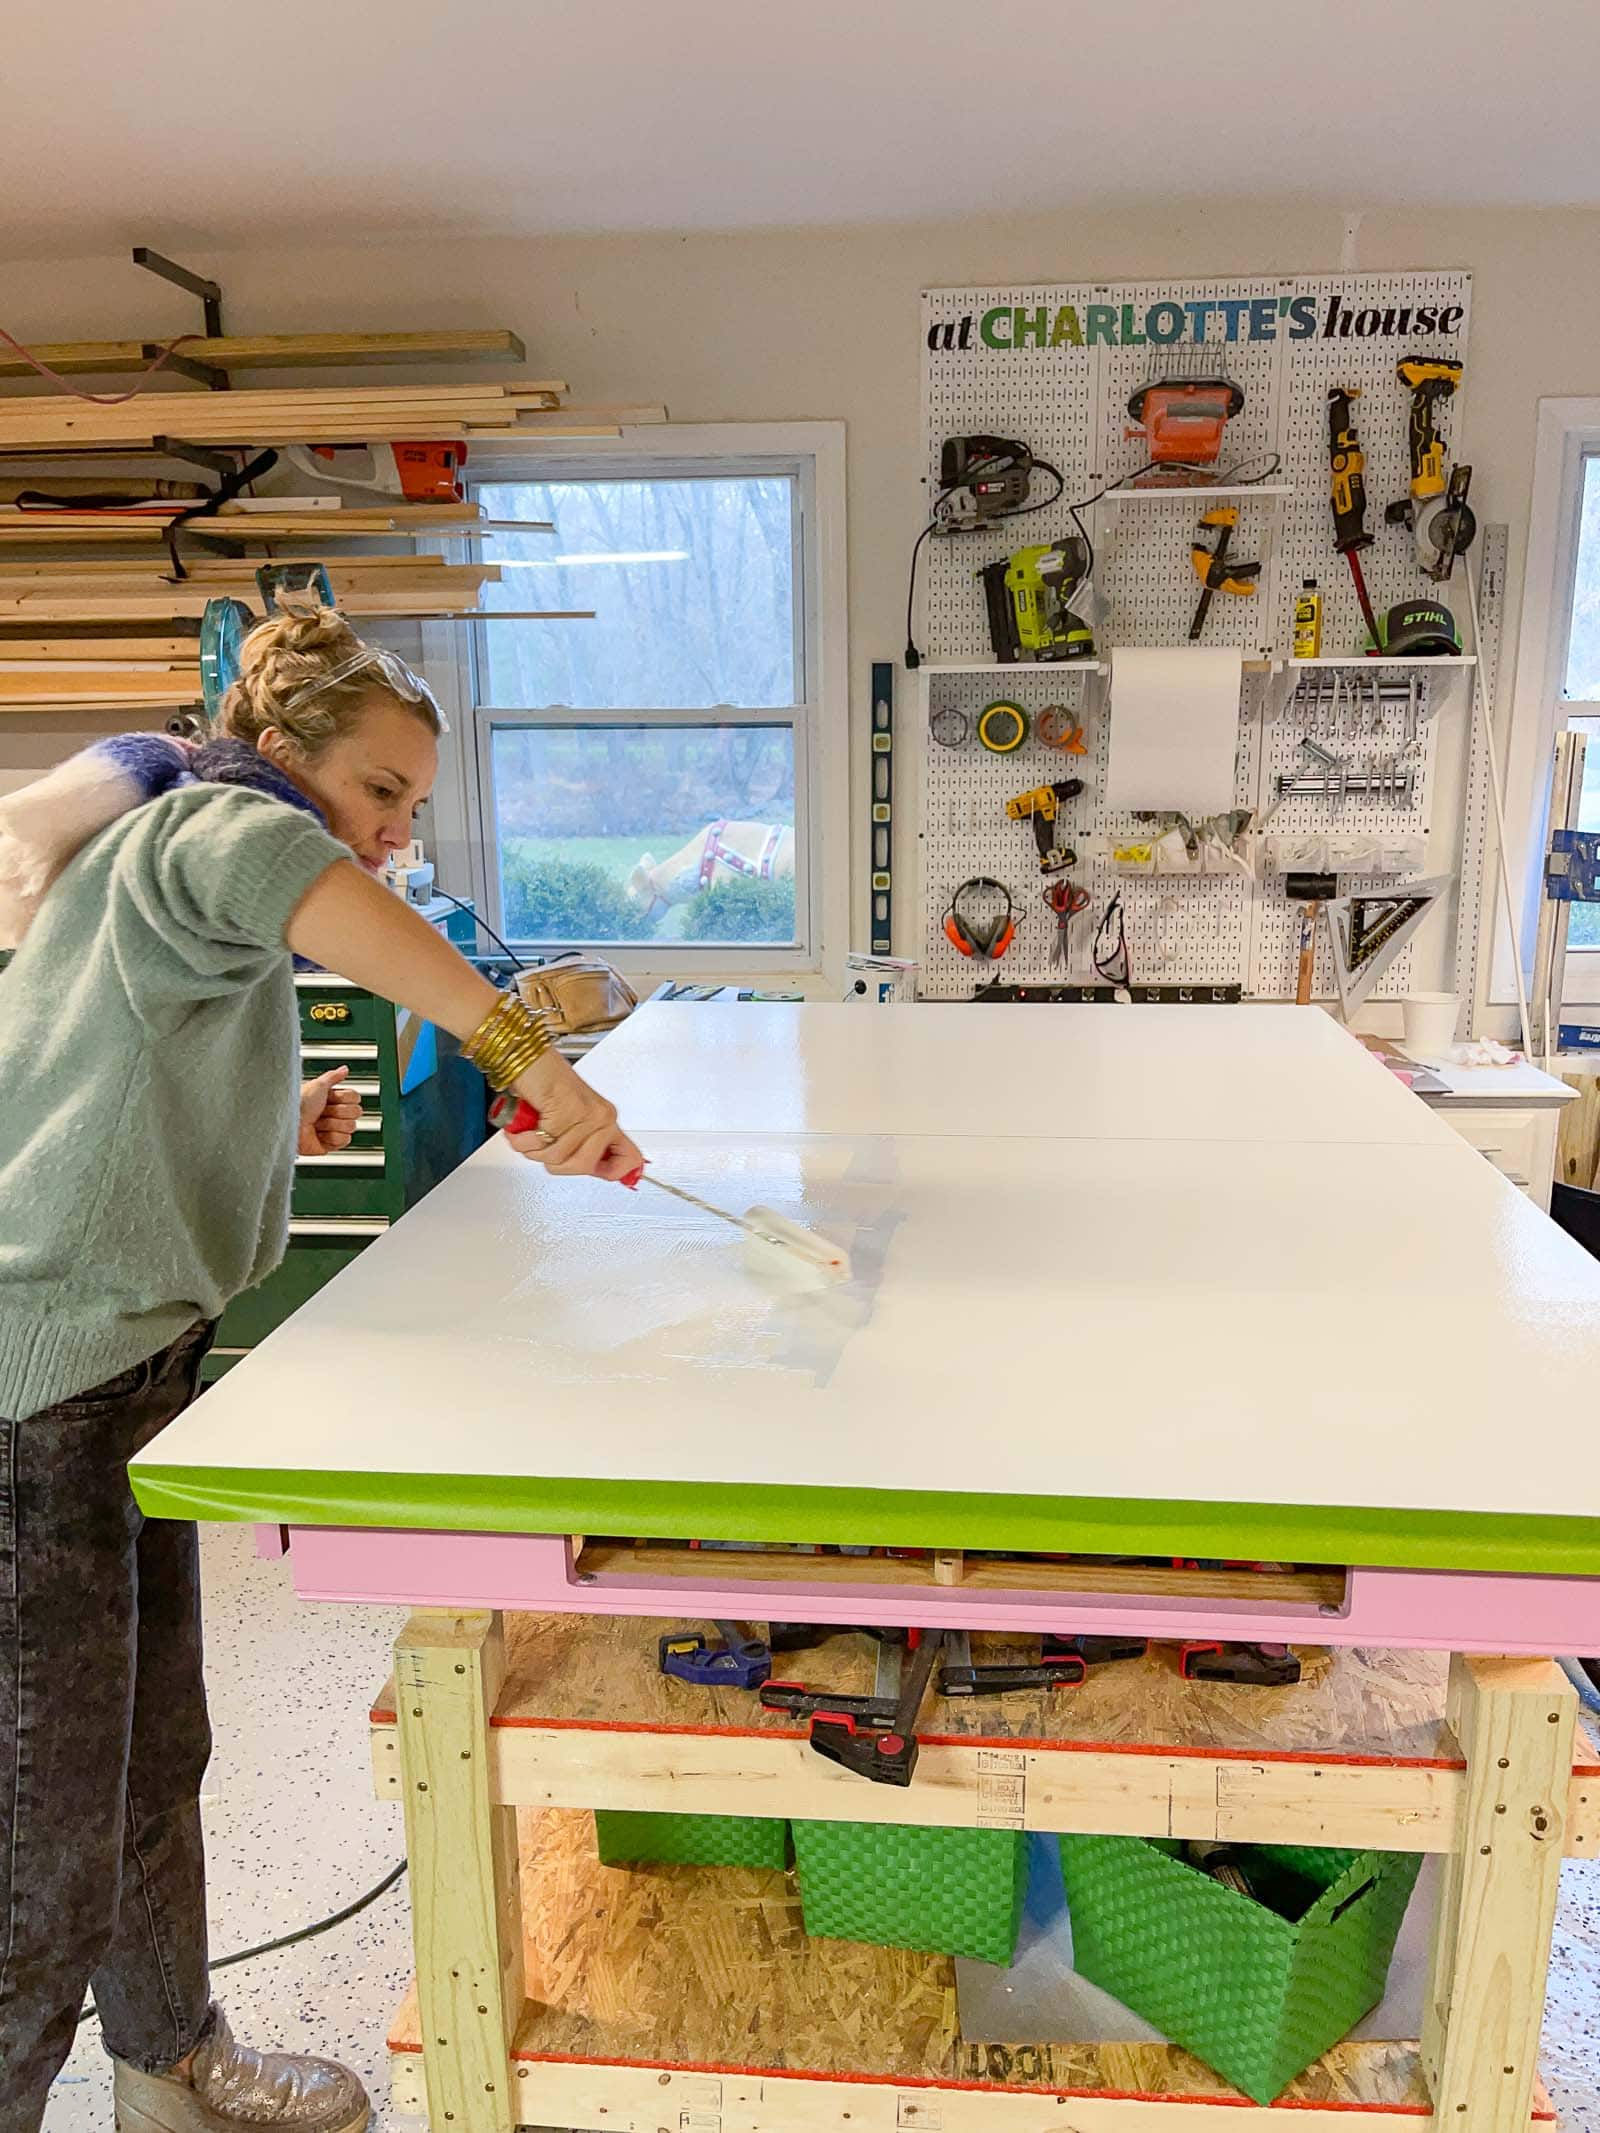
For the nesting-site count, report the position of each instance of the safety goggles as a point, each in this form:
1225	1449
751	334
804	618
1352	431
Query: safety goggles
388	668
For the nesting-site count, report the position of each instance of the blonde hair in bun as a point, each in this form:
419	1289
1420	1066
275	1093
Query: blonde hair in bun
290	677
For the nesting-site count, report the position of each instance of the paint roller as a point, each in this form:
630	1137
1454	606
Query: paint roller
763	1227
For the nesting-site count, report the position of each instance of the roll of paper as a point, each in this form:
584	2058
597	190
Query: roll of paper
1174	730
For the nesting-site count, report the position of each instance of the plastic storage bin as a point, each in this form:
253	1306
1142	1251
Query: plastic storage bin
945	1891
1257	1996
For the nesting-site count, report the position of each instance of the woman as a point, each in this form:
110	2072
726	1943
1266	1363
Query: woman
148	1123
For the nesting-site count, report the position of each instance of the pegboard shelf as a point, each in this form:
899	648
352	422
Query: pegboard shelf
1196	496
1013	666
1365	659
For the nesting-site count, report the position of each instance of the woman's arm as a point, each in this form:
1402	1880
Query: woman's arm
354	925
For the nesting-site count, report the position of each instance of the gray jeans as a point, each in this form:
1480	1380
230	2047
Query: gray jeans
103	1740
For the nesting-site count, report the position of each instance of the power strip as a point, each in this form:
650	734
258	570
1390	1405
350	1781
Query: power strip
1093	995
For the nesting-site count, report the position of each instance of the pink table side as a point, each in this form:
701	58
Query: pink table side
534	1573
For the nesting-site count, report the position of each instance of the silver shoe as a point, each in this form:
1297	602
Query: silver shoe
230	2089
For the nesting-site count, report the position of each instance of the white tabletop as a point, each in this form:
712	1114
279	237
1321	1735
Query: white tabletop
1286	1324
1518	1083
1264	1074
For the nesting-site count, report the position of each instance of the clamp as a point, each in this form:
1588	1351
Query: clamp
1097	1651
886	1755
738	1662
1214	567
1263	1666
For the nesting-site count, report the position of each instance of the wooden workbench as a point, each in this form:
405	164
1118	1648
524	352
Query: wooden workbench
1181	1283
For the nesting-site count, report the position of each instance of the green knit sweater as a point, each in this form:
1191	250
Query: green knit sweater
148	1086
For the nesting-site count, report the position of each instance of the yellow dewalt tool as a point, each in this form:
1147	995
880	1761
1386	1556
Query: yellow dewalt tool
1214	568
1429	379
1436	514
1041	805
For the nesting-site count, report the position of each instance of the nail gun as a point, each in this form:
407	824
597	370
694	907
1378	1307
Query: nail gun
1029	598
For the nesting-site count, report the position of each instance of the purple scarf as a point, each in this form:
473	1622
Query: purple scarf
46	824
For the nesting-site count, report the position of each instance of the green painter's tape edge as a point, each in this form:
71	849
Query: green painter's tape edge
909	1518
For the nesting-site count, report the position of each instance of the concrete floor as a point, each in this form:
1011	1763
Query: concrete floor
293	1832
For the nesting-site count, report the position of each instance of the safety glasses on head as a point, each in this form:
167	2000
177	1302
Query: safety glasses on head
388	670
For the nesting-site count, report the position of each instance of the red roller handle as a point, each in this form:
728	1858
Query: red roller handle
514	1114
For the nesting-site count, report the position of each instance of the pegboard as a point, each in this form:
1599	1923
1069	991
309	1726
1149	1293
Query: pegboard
1068	401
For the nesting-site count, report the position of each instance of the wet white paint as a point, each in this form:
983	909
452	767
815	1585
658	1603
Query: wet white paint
1262	1074
1300	1324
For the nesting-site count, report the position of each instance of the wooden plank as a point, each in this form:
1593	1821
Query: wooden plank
1304	1587
452	582
134	651
340	518
1515	1721
279	351
106	684
1357	1753
463	1866
777	2033
114	608
1578	1132
204	569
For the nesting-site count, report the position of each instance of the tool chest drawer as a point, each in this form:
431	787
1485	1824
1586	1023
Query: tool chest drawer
1511	1140
334	1013
306	1268
355	1182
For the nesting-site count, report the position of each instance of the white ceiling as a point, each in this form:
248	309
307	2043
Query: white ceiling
220	120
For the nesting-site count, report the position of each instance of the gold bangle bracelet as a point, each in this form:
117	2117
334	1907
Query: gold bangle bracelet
509	1039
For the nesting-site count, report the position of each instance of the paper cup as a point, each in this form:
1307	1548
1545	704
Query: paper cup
1430	1023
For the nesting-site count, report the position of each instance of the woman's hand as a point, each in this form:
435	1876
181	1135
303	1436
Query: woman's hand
328	1113
577	1135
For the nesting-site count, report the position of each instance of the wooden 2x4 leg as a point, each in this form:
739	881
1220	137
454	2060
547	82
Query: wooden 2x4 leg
466	1902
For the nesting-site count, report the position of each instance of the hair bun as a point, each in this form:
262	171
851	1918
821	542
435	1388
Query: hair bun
302	628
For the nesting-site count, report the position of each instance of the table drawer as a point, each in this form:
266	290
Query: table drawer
1511	1140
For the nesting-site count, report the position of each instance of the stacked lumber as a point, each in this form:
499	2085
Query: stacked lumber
29	526
271	351
121	634
371	585
47	423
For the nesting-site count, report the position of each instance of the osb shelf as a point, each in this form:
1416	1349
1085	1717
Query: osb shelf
682	1997
1357	1754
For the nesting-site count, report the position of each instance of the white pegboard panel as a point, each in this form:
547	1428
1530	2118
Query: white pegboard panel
1069	404
1371	741
1181	930
1030	394
1381	417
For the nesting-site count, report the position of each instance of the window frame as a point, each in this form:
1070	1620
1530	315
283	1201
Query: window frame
813	453
1568	437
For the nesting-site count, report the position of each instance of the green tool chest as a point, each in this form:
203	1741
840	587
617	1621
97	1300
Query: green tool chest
423	1111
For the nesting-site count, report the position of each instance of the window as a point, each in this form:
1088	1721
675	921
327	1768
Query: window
1557	684
1580	692
661	782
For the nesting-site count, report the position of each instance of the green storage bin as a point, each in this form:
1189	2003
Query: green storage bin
629	1839
944	1891
1258	1997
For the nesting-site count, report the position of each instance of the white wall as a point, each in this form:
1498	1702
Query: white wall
824	322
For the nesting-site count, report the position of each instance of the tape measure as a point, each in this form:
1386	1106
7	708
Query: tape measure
1002	726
